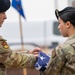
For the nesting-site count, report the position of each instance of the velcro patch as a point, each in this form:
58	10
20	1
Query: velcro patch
5	45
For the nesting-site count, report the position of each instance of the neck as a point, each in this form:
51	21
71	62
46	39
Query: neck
71	33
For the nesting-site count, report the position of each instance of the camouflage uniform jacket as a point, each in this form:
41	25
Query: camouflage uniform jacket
10	58
62	60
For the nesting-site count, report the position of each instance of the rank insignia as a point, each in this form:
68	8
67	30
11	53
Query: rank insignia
5	45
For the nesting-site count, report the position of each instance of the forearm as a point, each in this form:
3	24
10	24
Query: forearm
13	58
21	60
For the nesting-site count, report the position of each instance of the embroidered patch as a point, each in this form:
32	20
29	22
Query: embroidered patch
5	45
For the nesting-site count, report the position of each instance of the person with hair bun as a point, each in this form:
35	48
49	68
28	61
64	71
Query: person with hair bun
62	60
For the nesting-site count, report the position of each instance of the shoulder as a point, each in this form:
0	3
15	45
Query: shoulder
62	50
65	50
68	47
4	47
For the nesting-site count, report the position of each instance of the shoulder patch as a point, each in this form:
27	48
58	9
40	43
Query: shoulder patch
4	45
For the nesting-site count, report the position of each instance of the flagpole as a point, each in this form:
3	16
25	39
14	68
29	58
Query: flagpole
18	6
22	43
21	33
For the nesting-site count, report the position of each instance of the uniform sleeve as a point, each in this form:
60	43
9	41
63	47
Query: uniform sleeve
11	58
20	60
56	62
4	50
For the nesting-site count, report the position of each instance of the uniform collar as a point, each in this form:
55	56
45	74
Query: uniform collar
71	37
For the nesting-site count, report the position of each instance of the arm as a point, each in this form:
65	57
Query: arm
11	58
18	59
56	62
22	59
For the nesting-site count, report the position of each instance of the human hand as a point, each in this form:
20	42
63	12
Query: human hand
35	51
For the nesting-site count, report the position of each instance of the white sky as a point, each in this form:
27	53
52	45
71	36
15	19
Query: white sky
35	10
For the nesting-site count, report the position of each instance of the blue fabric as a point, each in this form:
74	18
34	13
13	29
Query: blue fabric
18	6
42	61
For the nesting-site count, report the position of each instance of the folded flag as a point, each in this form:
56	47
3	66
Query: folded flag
42	61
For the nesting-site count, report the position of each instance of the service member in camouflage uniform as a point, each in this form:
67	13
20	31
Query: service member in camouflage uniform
62	60
10	58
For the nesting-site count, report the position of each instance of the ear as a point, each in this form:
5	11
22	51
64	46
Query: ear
68	24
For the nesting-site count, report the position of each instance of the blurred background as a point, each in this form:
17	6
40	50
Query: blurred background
37	29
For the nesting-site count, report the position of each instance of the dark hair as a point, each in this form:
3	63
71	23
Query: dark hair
67	14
